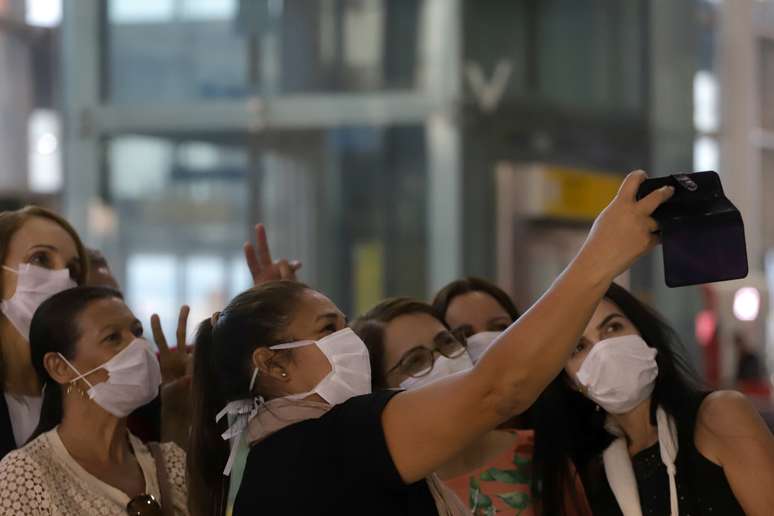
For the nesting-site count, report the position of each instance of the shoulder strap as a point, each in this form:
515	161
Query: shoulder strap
620	477
163	479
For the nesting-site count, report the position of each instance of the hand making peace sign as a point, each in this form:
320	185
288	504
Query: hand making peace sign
260	263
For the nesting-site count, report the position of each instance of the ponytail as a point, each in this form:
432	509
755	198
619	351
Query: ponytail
208	452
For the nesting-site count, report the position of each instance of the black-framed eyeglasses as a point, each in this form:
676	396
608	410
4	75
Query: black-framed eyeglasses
419	361
143	505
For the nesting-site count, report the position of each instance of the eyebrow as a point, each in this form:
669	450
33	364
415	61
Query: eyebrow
608	319
117	326
44	246
108	328
330	315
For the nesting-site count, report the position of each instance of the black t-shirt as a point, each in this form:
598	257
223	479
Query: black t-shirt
338	464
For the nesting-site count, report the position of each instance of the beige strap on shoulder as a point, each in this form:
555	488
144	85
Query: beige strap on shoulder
163	478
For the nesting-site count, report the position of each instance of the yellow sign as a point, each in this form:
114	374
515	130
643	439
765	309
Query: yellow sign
368	271
572	193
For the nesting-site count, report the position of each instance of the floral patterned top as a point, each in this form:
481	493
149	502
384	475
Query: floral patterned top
501	487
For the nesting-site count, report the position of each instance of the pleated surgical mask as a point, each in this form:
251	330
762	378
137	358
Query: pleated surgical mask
350	367
134	378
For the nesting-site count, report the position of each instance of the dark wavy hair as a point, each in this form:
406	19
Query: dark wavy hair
569	429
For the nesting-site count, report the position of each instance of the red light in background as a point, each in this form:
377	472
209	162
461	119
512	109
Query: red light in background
706	326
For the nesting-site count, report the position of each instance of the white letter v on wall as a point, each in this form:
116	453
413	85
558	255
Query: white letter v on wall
488	95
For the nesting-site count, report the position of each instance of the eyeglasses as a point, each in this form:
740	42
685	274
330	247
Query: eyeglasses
463	332
419	361
143	505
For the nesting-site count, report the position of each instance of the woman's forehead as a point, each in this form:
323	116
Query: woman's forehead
314	308
38	231
409	331
109	309
318	299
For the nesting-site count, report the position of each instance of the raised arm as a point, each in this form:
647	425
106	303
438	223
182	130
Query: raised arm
426	427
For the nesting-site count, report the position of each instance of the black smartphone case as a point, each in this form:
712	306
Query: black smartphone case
702	232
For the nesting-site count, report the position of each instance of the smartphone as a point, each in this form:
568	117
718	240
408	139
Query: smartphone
702	232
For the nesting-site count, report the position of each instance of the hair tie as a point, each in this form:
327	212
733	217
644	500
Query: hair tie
214	318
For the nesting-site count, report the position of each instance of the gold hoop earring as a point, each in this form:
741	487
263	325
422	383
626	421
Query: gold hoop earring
71	387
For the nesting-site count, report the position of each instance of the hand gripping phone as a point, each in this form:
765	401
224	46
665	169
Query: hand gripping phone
702	232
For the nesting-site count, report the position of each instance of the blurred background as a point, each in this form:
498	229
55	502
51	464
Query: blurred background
391	145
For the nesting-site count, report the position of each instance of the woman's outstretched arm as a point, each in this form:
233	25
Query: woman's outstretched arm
424	428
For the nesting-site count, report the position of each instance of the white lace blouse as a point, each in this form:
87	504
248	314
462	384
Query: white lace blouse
43	479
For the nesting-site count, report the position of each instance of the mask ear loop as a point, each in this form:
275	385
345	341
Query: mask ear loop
256	372
286	345
11	270
82	376
293	345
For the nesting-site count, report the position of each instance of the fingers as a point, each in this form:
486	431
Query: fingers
158	334
631	184
285	272
259	260
264	254
182	323
652	225
252	261
655	199
654	242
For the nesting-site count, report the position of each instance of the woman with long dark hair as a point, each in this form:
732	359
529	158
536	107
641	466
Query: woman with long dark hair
280	365
645	437
95	368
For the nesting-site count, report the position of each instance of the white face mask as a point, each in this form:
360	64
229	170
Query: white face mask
350	367
33	286
619	373
134	378
480	342
442	367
